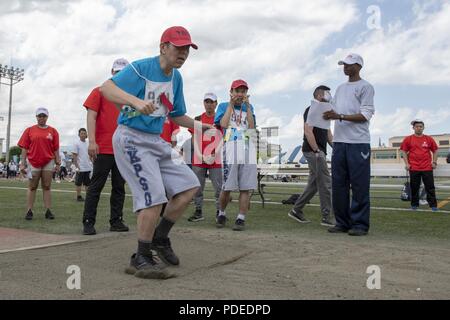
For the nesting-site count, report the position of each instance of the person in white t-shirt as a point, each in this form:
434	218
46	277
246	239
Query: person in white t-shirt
82	163
353	107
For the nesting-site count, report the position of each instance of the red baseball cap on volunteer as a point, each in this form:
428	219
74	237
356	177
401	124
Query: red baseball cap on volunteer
178	36
238	83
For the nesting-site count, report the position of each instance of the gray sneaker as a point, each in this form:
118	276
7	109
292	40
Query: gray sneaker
148	268
197	216
327	222
239	225
299	217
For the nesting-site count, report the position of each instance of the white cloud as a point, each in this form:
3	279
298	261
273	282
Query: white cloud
397	122
416	54
67	47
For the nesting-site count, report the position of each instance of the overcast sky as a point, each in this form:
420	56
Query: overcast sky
284	49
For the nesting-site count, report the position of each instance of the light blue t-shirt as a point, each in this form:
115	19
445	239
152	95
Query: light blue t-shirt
238	121
133	81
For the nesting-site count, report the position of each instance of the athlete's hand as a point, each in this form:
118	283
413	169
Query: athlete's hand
92	150
330	115
209	159
434	165
247	99
22	168
145	107
206	126
234	100
211	132
57	167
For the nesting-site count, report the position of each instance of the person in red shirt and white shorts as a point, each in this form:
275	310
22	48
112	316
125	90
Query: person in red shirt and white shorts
417	150
40	154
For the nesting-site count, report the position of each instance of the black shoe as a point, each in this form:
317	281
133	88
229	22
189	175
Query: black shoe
327	222
357	232
197	216
148	268
29	215
88	229
337	229
165	252
80	199
49	215
221	220
118	226
299	217
239	225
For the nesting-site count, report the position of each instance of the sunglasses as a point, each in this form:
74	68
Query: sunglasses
42	115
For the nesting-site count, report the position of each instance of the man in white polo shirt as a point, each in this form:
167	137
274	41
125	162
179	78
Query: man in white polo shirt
353	105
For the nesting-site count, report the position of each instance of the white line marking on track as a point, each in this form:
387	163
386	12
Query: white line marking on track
259	202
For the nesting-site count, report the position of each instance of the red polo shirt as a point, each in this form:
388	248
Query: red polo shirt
209	144
106	123
41	144
419	151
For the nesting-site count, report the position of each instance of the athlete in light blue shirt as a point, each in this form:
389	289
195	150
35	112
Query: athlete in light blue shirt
146	80
150	90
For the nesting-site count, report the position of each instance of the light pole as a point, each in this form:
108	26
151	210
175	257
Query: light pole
14	76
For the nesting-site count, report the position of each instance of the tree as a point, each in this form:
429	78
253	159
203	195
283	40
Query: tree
15	151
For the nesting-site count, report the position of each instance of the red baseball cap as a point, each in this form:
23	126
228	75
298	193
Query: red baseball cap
239	83
178	36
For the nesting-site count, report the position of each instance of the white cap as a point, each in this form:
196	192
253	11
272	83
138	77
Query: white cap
352	58
119	64
417	121
41	110
210	96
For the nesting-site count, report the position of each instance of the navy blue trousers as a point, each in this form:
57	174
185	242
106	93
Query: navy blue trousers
350	170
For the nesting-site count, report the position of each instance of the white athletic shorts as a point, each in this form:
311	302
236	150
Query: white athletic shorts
151	167
239	168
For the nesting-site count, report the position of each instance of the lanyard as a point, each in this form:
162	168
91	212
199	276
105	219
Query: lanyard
239	120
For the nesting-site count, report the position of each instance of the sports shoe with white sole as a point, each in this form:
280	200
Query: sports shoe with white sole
299	217
147	268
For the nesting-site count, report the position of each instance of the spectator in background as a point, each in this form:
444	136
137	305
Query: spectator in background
420	157
40	154
207	156
314	149
13	169
83	165
63	169
101	123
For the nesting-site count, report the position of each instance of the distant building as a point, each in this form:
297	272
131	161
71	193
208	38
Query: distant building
392	153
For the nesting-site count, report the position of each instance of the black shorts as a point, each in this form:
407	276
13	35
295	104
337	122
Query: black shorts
83	178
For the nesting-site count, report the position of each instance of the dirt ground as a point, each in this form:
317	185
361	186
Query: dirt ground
222	264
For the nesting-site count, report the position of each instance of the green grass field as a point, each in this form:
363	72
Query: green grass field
386	224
